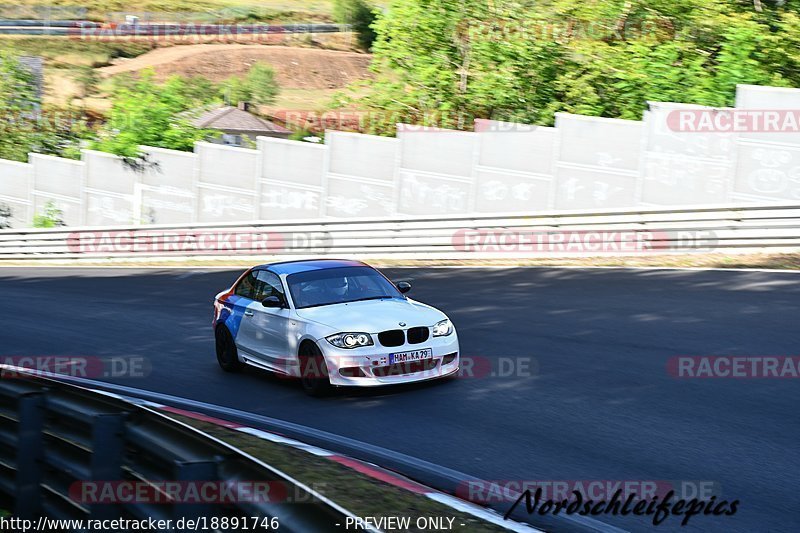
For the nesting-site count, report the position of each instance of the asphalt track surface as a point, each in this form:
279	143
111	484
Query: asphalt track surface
596	403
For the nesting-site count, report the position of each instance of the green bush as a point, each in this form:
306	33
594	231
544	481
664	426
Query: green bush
145	112
361	15
51	217
257	87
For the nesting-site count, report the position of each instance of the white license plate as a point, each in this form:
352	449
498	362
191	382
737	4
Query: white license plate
406	357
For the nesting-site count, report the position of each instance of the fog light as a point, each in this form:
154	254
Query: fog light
352	372
449	358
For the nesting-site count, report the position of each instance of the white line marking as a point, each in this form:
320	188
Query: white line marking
480	512
278	439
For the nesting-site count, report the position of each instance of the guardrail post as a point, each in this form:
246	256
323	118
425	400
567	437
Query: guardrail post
190	472
29	454
106	462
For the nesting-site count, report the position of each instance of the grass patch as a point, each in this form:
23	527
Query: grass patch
305	99
60	52
360	494
66	61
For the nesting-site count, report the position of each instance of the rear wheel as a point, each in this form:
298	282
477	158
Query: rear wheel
227	355
314	371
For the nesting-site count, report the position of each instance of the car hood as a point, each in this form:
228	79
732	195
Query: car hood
373	316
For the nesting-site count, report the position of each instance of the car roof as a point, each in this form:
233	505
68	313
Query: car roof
292	267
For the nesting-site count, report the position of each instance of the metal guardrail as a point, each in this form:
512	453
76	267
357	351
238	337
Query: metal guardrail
88	29
438	477
54	434
38	23
715	228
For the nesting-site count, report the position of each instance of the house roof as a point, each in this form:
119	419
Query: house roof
229	118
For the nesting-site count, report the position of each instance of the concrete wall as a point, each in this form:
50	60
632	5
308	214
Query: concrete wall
581	163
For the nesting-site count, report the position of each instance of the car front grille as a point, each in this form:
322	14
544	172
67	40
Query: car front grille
401	369
417	335
392	337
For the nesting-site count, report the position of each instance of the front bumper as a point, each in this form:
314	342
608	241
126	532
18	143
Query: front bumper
373	369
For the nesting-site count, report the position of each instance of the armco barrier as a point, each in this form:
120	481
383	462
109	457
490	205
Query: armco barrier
54	435
584	233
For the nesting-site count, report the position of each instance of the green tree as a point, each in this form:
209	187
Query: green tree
361	15
24	125
258	86
145	112
446	62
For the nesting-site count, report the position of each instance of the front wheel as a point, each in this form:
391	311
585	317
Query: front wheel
314	371
227	354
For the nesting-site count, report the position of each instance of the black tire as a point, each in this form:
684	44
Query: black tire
227	354
314	371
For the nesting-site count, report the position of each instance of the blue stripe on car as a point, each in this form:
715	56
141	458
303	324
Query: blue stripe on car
233	312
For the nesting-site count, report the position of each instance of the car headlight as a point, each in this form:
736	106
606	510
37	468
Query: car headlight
350	340
443	328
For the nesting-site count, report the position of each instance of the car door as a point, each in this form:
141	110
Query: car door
244	301
266	331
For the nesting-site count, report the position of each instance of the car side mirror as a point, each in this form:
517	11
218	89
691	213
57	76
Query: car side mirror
403	286
273	301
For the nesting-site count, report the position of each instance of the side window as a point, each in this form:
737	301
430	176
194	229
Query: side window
231	139
270	285
248	287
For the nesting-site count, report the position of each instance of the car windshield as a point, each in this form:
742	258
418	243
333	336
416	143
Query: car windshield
339	285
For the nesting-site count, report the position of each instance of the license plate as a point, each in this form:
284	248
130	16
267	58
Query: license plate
406	357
